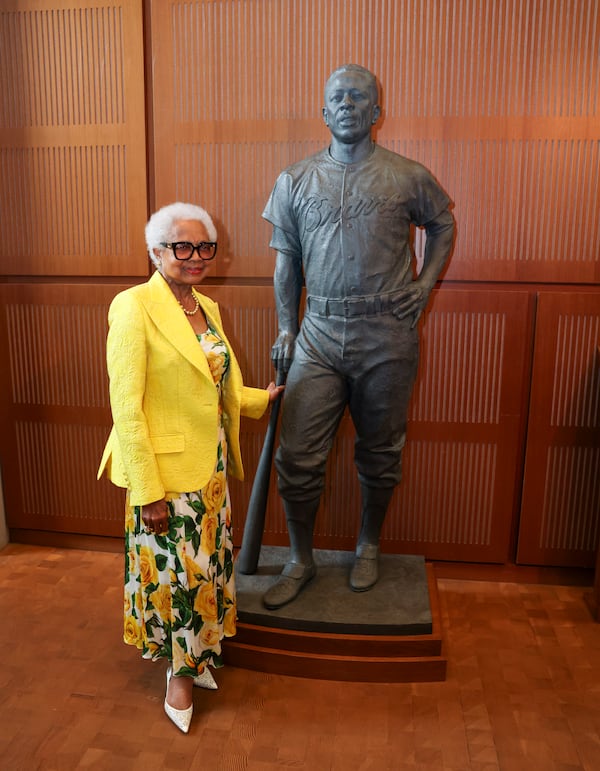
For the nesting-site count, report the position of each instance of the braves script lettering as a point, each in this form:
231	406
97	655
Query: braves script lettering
318	212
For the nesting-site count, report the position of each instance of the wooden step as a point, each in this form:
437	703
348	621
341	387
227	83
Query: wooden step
416	669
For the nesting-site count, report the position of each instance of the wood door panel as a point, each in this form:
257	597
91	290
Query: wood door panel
561	491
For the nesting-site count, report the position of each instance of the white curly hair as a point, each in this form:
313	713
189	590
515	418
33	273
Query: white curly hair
160	226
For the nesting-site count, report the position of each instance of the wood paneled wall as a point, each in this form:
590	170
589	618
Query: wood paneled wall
498	97
54	409
72	139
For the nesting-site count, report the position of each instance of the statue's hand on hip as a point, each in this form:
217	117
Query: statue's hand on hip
282	351
412	303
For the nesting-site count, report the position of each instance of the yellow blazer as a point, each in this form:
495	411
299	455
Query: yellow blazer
163	399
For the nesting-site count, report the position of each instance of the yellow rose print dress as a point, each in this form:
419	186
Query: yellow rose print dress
179	587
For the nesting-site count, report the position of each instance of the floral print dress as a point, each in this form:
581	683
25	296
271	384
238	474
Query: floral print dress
179	587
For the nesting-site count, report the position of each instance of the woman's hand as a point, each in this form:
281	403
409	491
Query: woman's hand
274	391
155	517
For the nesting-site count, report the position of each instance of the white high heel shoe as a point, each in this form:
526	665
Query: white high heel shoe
205	680
181	717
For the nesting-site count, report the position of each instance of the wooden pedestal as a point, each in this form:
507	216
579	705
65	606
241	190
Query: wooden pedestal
336	656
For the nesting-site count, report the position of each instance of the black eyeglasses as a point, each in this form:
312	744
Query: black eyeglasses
184	250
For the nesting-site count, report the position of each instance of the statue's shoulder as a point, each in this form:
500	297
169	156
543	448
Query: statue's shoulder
300	168
401	162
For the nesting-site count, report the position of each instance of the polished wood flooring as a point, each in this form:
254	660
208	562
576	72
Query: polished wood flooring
522	690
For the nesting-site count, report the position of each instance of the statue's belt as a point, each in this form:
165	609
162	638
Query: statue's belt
369	305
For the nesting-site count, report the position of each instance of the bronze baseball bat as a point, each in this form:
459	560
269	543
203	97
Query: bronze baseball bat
247	559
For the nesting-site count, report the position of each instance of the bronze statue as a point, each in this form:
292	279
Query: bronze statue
341	225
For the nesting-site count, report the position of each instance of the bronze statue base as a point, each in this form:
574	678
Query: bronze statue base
398	604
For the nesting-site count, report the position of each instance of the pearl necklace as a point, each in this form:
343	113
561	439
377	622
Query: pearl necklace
191	313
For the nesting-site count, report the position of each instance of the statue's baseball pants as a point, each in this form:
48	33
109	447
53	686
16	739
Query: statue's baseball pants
347	354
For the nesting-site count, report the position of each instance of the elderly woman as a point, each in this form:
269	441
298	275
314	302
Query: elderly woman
176	395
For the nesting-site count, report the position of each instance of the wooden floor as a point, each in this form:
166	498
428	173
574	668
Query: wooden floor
522	692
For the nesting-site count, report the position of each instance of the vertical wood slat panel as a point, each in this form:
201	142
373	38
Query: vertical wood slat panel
561	493
46	345
54	408
461	464
226	178
455	500
463	378
72	149
449	498
57	482
576	385
462	460
572	494
68	187
559	241
465	58
50	57
499	99
502	237
460	470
